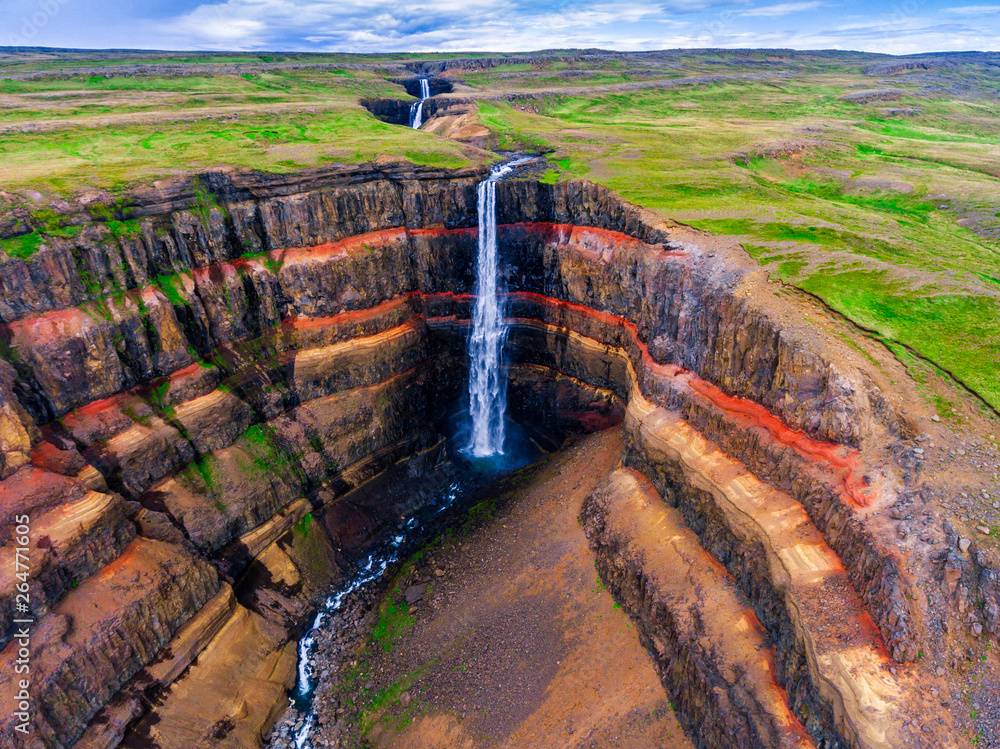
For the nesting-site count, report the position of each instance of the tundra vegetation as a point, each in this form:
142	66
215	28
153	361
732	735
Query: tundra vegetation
868	182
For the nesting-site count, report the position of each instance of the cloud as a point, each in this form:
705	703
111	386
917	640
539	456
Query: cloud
698	6
974	10
214	28
886	34
782	9
508	25
421	25
596	15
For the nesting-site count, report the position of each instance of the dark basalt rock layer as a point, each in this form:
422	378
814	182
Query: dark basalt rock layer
397	111
197	383
435	83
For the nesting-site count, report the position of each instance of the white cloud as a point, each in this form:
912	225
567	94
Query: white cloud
782	9
596	15
698	6
208	24
422	25
910	36
974	10
522	25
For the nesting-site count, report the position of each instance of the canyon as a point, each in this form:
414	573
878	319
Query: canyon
199	382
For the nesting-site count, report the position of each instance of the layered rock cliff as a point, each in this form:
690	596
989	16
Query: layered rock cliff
195	380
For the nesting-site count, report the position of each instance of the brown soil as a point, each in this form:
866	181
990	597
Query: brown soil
459	123
517	643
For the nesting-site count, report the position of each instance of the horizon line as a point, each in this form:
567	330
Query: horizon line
452	54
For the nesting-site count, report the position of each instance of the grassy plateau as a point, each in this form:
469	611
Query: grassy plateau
869	182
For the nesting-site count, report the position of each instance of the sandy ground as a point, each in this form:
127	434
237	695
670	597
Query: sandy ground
516	643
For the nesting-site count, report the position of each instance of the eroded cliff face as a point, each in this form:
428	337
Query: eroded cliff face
397	111
194	384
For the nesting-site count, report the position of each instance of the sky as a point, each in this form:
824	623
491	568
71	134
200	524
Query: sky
896	27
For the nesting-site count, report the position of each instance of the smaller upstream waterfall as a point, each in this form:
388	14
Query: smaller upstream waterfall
487	380
417	108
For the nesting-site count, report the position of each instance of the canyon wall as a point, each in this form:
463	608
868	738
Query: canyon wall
195	382
397	111
436	84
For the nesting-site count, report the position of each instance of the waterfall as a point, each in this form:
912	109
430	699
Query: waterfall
417	108
416	114
487	380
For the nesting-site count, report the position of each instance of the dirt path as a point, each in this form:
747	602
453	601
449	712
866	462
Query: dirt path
515	643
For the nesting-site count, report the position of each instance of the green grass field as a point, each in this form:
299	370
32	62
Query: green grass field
887	211
67	135
862	209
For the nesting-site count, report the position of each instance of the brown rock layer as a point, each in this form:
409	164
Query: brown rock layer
708	645
234	352
103	633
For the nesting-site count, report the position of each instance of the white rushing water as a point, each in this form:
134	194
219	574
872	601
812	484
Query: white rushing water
487	380
417	108
371	569
487	392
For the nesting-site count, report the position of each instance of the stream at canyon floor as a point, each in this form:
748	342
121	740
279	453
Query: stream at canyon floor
511	628
461	482
493	446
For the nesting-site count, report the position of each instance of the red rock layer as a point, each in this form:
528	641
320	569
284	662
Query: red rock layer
214	380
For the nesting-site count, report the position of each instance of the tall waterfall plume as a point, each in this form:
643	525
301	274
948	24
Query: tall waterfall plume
417	108
487	380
